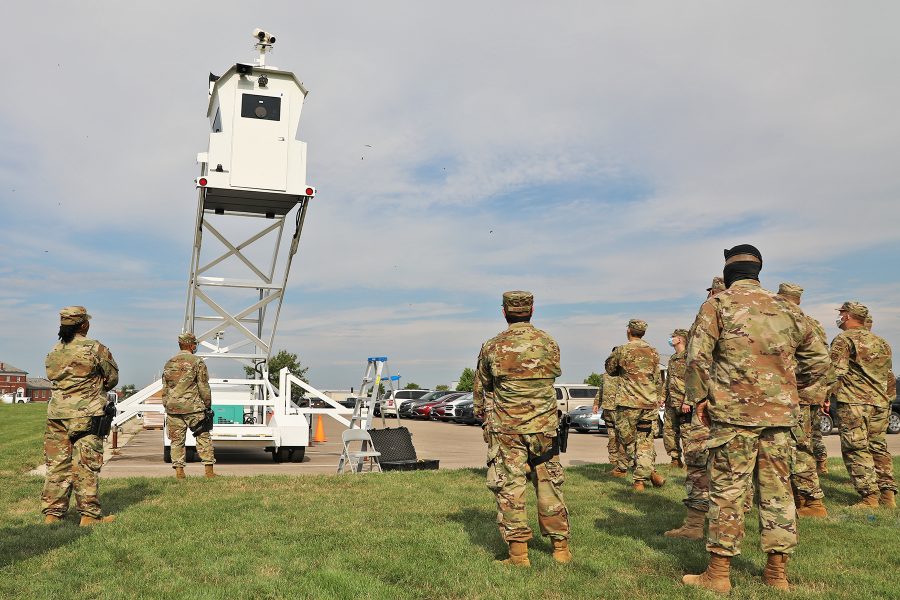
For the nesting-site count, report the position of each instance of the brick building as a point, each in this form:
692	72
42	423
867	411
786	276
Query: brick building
12	379
39	389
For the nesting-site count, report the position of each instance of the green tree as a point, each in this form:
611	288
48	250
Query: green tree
128	390
412	386
594	379
278	362
466	380
442	388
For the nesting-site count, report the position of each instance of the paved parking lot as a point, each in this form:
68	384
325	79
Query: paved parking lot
456	446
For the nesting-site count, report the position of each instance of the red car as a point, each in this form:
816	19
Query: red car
424	411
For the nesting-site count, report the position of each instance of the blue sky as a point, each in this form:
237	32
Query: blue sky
600	155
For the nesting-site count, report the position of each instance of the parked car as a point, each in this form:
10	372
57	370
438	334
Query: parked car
423	409
894	417
583	420
570	396
467	414
408	406
449	409
392	400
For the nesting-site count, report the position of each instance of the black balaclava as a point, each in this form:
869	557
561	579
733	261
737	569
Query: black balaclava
741	262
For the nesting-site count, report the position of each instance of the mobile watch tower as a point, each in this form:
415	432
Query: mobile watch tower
252	184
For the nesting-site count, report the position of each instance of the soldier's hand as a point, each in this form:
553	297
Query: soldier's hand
685	408
702	414
485	434
826	407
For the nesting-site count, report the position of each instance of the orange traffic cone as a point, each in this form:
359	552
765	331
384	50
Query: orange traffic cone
319	436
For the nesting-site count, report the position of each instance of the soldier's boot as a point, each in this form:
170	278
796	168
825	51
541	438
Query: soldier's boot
87	521
209	471
812	507
887	499
51	519
676	462
821	466
617	472
716	577
868	501
179	472
561	552
692	528
774	574
657	480
518	555
638	486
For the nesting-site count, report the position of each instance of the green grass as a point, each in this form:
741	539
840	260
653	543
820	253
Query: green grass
397	535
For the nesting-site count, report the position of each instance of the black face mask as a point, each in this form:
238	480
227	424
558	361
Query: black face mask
740	270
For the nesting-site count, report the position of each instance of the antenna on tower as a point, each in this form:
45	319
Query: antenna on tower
264	43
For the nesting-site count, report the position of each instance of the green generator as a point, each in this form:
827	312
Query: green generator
228	415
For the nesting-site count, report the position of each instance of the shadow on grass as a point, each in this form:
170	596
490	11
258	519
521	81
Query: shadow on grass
481	527
21	543
837	487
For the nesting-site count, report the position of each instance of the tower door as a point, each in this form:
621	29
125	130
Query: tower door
259	143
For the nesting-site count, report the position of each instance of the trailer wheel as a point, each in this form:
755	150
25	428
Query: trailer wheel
167	454
281	455
298	453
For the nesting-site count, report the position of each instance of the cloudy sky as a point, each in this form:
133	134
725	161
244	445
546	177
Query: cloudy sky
599	154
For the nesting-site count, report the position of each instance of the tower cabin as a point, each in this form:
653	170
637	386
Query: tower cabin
255	163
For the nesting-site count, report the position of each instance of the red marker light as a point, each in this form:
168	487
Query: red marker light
310	191
202	181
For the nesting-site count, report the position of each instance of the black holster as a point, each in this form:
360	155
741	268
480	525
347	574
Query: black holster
685	417
560	443
204	425
100	424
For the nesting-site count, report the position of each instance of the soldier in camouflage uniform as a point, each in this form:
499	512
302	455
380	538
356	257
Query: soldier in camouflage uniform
82	371
763	349
864	391
805	477
672	438
514	395
605	404
636	363
186	396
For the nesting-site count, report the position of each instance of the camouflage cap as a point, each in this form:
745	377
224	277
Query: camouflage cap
682	333
187	338
637	326
790	289
518	302
856	309
73	315
718	285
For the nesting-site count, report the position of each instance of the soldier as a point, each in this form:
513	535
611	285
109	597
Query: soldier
606	402
514	395
636	364
864	390
186	397
805	477
718	285
758	344
82	371
675	397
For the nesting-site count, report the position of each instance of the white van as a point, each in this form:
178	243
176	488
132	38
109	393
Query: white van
570	396
392	400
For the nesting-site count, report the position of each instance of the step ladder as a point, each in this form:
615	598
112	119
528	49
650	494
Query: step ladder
377	374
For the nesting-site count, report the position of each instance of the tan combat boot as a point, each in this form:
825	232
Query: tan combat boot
657	480
676	462
774	574
822	466
518	555
868	501
638	486
692	528
51	519
561	552
179	472
209	471
887	499
812	507
716	577
87	521
617	472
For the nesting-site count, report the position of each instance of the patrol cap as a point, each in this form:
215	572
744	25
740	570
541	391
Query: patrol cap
73	315
637	326
682	333
856	309
518	303
718	285
790	289
187	338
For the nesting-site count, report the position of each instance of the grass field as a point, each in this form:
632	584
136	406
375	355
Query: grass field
396	535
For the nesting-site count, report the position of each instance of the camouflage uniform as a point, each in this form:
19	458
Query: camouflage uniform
516	371
605	403
804	476
636	364
81	371
672	435
759	344
864	390
186	395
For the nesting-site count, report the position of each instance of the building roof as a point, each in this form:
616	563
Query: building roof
5	367
38	382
